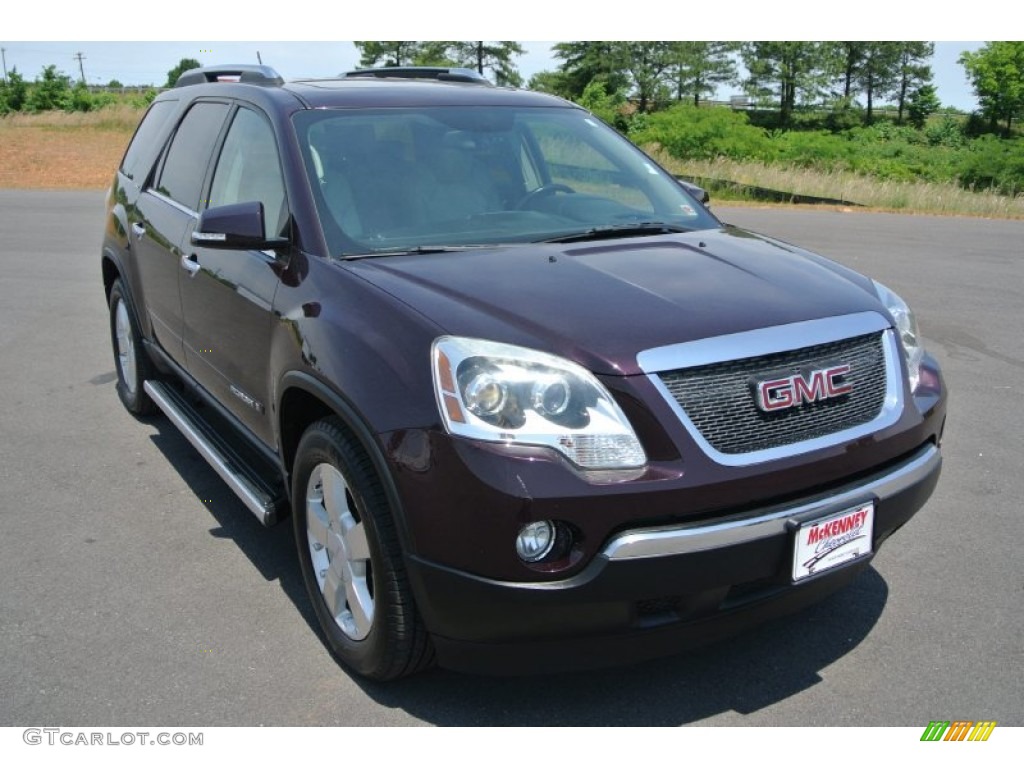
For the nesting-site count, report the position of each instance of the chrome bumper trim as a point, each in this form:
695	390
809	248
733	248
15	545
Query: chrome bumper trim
686	539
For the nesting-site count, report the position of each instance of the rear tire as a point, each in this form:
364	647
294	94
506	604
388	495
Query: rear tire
351	558
132	365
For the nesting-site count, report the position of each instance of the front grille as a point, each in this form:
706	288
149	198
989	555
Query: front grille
719	401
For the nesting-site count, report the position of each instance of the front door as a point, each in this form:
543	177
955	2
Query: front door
227	296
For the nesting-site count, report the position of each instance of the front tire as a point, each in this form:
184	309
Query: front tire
351	558
131	363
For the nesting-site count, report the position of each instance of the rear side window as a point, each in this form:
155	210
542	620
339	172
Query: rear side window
146	135
188	157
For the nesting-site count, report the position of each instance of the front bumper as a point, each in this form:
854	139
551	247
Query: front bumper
655	591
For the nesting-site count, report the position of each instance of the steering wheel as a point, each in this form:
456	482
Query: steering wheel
543	191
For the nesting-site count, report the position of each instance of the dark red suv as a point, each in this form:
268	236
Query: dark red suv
529	403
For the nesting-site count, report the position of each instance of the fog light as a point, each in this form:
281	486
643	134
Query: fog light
535	541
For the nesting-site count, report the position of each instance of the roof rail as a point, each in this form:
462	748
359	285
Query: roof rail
455	74
241	73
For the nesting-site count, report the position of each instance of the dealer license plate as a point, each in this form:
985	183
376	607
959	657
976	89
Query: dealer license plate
833	541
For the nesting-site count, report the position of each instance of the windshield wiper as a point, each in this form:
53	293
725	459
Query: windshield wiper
620	230
416	249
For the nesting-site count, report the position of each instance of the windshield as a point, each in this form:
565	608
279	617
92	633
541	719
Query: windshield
405	179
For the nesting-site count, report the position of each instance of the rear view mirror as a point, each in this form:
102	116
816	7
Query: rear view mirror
237	226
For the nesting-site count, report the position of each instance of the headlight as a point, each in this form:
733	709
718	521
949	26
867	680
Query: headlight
906	327
503	393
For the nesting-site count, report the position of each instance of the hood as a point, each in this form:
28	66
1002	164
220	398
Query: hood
600	304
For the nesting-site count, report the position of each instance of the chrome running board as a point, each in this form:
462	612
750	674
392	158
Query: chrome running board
248	484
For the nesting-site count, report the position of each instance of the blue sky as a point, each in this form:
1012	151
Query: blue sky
143	63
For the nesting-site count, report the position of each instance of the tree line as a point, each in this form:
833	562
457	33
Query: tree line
850	78
54	90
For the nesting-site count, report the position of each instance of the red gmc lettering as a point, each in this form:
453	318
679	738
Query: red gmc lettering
834	389
777	394
812	391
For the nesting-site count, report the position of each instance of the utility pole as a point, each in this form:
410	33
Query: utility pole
3	55
81	69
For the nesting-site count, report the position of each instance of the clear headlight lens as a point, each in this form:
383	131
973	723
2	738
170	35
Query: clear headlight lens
504	393
906	328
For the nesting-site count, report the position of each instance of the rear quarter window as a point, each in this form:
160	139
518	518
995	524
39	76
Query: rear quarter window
144	143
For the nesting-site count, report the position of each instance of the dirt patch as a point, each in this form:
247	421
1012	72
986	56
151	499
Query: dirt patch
61	151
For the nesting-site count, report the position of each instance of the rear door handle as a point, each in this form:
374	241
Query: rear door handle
190	264
138	230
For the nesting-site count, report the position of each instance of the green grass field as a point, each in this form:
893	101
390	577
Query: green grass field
876	194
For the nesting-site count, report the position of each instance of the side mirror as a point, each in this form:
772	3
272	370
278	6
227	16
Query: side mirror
699	192
239	226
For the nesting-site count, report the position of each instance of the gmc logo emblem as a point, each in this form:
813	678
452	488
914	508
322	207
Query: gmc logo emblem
795	390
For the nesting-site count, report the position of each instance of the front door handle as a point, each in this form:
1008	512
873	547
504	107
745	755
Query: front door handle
190	264
139	230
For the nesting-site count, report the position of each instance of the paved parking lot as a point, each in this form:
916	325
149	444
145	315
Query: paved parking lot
137	589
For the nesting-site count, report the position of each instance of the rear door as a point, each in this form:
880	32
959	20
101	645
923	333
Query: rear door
165	213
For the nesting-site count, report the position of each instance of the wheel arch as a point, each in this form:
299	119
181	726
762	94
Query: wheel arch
112	270
304	400
110	274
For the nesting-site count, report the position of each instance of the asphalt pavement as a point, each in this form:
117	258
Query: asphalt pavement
136	589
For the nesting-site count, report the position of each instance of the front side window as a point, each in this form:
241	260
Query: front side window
459	176
249	170
188	158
